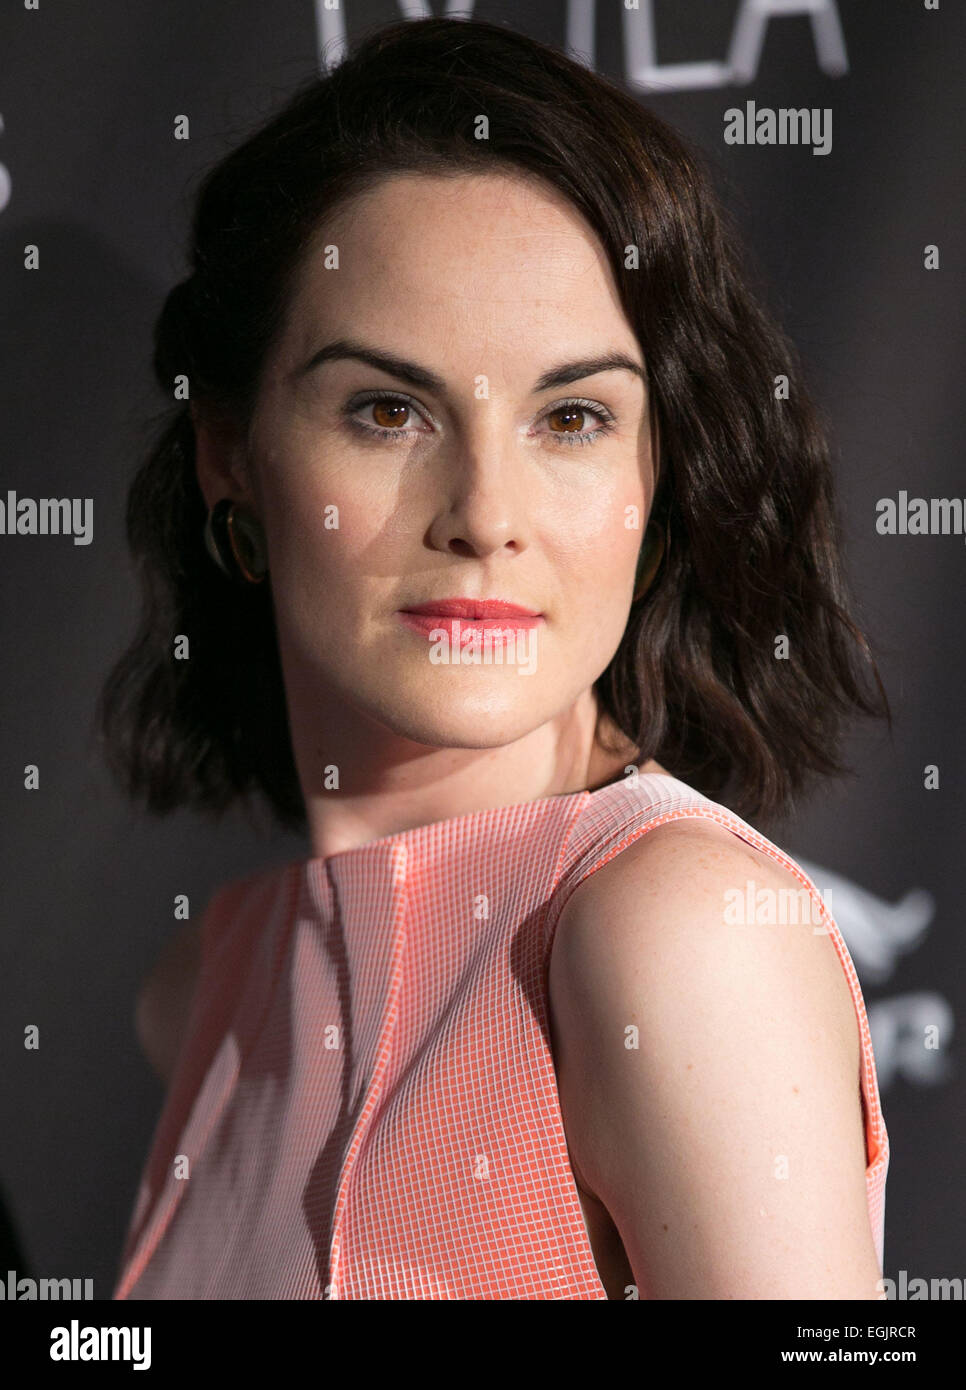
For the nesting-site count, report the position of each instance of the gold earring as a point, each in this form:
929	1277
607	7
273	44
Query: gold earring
236	542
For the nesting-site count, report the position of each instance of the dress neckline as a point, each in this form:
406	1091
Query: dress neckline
316	863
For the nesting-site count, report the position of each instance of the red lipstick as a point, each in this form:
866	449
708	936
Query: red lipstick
464	615
472	608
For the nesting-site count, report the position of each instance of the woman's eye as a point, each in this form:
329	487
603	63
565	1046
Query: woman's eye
390	414
570	418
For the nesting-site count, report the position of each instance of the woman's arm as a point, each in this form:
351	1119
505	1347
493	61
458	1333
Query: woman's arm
728	1145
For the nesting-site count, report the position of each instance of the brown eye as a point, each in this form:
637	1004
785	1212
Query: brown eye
391	414
387	413
566	422
573	415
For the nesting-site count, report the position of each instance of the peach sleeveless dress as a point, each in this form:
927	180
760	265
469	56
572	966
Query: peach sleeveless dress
365	1105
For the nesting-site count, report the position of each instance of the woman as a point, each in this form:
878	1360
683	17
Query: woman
486	549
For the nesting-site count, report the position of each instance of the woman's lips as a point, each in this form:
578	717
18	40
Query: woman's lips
471	608
456	616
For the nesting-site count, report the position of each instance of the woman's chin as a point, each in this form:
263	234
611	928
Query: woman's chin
462	721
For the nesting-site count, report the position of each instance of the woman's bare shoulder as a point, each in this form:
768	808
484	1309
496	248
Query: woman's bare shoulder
692	853
703	1055
676	899
164	1000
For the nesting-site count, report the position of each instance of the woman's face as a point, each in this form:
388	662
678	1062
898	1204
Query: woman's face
456	473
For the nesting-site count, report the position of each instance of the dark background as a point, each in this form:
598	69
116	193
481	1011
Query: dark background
92	176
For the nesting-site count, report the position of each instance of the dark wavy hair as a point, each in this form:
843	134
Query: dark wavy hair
745	487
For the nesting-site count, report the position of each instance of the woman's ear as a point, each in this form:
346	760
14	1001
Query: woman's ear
220	459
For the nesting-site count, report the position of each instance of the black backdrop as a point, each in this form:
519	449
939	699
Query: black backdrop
91	176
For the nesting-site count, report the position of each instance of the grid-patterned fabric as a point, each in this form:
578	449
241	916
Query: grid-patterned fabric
365	1106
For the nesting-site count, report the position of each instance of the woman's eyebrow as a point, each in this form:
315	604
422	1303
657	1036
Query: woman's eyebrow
427	380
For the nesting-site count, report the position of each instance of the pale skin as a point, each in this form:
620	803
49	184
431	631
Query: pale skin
748	1042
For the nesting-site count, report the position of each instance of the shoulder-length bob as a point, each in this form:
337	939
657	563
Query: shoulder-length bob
700	681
